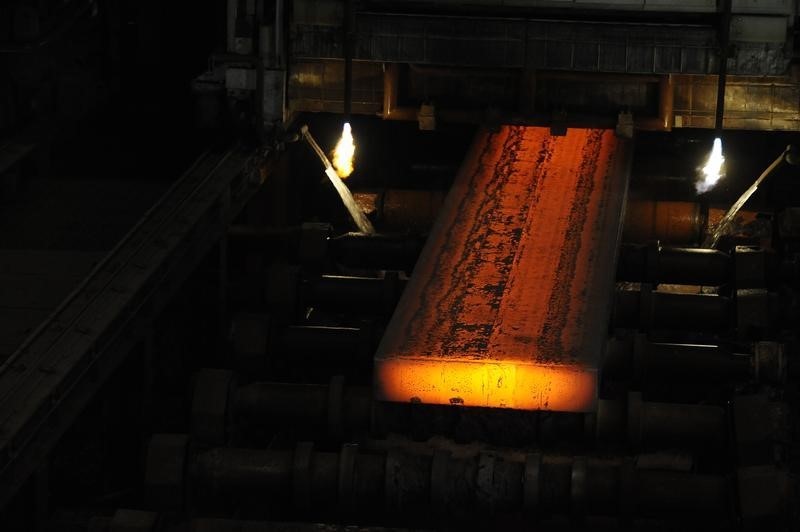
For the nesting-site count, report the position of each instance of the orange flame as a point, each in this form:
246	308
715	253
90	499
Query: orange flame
712	171
344	153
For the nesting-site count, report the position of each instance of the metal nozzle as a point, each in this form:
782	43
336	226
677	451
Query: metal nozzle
361	221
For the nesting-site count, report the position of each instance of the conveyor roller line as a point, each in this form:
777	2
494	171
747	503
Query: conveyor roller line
513	288
345	411
410	483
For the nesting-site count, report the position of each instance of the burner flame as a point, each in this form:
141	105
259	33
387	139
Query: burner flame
344	153
712	171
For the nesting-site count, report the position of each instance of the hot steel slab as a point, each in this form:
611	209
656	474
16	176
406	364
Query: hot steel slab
509	302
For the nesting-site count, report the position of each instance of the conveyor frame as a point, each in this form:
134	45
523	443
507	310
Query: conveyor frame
50	378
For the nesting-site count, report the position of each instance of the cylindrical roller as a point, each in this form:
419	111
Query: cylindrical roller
256	337
684	223
335	407
307	243
140	521
426	206
659	264
678	494
401	209
311	241
667	425
360	294
676	222
227	469
458	485
263	237
663	362
305	338
647	309
286	292
635	359
653	425
339	410
235	525
274	402
385	252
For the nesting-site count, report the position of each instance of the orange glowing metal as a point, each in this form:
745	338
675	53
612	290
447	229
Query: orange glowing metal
509	302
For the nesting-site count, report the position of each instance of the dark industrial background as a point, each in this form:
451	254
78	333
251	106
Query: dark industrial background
185	303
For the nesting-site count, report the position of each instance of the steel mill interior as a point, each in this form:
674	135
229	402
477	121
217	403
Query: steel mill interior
351	265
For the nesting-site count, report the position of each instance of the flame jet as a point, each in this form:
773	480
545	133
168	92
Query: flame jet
344	153
712	171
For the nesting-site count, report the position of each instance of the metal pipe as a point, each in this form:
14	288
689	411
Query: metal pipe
713	239
724	34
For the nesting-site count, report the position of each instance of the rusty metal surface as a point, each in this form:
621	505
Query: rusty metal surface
510	299
676	222
761	103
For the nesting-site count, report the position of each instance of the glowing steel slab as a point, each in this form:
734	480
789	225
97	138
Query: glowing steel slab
509	302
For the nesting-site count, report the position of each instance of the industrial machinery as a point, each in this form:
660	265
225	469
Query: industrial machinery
501	301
